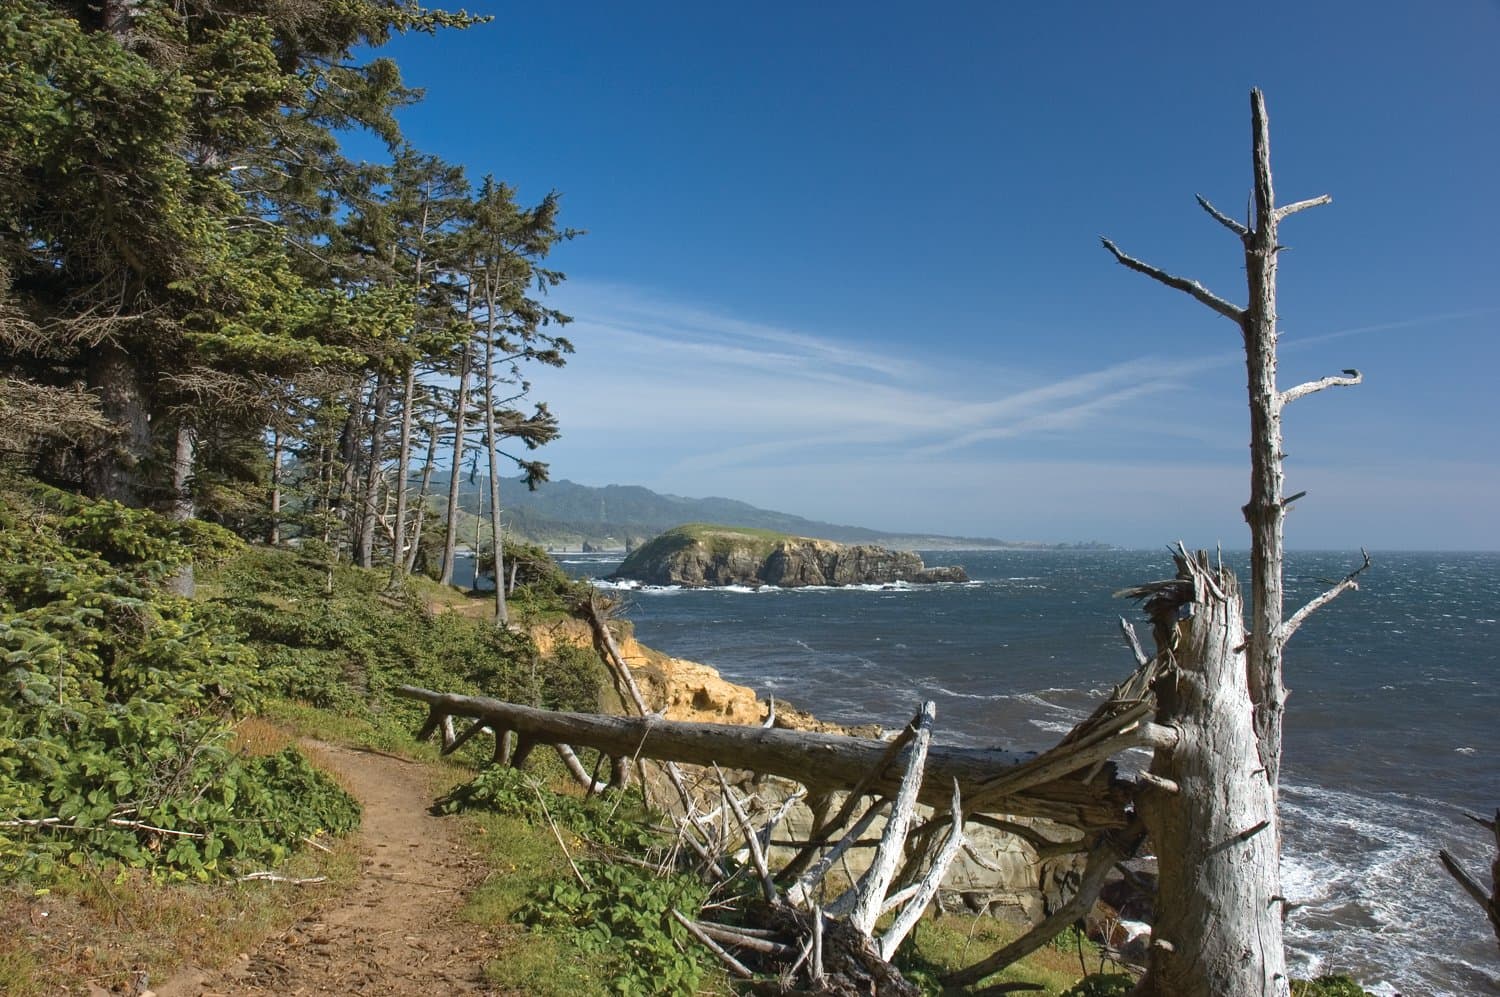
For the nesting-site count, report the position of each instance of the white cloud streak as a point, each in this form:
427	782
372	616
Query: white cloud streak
712	391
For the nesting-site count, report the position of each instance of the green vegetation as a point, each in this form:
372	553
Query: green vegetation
1336	985
131	754
610	922
117	708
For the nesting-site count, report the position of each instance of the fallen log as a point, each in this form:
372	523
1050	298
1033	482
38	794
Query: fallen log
829	762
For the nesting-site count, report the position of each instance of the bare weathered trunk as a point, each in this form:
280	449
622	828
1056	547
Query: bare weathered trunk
1265	512
460	413
403	468
829	761
1212	815
1210	805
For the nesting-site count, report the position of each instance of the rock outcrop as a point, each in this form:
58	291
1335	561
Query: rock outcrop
701	556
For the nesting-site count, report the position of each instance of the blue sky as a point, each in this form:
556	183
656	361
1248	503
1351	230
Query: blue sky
843	259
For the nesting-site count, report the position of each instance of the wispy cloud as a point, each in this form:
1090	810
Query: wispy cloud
714	391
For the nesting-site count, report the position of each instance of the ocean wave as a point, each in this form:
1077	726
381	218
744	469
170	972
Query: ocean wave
631	585
1362	871
965	695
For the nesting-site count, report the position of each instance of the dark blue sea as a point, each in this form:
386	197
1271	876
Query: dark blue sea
1392	733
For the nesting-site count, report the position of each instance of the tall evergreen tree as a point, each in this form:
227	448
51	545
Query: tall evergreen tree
143	144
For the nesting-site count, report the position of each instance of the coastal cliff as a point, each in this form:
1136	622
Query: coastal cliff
698	556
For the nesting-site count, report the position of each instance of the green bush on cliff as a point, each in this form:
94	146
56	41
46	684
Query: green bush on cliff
118	699
340	639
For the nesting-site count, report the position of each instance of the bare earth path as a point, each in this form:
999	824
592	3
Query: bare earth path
396	931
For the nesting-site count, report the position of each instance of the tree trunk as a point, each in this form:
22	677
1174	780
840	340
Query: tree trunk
422	492
1218	906
117	469
374	473
348	455
273	533
827	761
1211	802
502	617
403	468
460	411
1265	512
182	582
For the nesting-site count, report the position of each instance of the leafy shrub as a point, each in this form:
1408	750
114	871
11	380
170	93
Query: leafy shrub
117	699
1329	986
612	821
624	914
345	646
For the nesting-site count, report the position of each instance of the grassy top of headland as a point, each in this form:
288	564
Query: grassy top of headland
709	538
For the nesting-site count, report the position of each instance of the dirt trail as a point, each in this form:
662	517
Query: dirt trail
396	930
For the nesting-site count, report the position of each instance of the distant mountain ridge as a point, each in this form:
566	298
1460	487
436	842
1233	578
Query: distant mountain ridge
566	514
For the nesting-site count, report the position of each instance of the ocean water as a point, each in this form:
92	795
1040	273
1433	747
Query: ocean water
1391	733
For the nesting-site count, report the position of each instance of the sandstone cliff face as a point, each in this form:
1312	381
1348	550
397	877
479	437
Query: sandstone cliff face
718	557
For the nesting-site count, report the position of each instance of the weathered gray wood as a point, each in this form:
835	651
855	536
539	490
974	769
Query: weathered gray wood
1210	800
830	761
802	890
1219	880
752	840
1111	848
927	888
1489	904
882	869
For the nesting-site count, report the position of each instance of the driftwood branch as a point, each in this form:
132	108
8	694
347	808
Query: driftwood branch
803	889
1141	657
828	829
818	761
730	962
1349	378
585	779
752	840
58	824
1350	582
1489	903
621	669
893	841
1190	287
1112	848
927	888
1223	219
276	877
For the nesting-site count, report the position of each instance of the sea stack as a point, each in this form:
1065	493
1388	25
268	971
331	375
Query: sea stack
702	556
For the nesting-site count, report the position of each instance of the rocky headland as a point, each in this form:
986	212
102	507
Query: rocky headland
698	556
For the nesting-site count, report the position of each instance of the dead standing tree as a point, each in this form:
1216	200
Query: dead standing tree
1210	803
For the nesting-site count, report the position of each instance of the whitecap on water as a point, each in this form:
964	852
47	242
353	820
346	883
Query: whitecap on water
1361	870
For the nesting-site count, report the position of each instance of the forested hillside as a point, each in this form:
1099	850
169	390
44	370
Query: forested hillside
567	514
